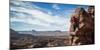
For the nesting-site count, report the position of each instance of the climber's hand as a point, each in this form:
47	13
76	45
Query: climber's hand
72	33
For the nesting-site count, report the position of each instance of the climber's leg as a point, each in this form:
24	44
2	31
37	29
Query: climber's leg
75	40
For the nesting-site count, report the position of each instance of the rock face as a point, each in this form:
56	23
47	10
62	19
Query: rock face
83	36
83	29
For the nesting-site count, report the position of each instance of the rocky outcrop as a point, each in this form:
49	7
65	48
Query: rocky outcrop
82	28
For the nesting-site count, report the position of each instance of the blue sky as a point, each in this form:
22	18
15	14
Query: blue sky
26	16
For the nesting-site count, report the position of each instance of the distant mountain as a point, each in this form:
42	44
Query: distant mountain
12	31
57	31
14	34
33	30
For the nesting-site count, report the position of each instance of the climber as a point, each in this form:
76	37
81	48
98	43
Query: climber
74	24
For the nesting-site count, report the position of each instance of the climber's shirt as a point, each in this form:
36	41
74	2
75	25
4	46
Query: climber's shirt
75	22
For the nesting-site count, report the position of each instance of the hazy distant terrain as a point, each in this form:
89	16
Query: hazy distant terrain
37	39
45	33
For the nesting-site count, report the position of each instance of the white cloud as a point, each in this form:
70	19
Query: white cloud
46	20
49	12
55	6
